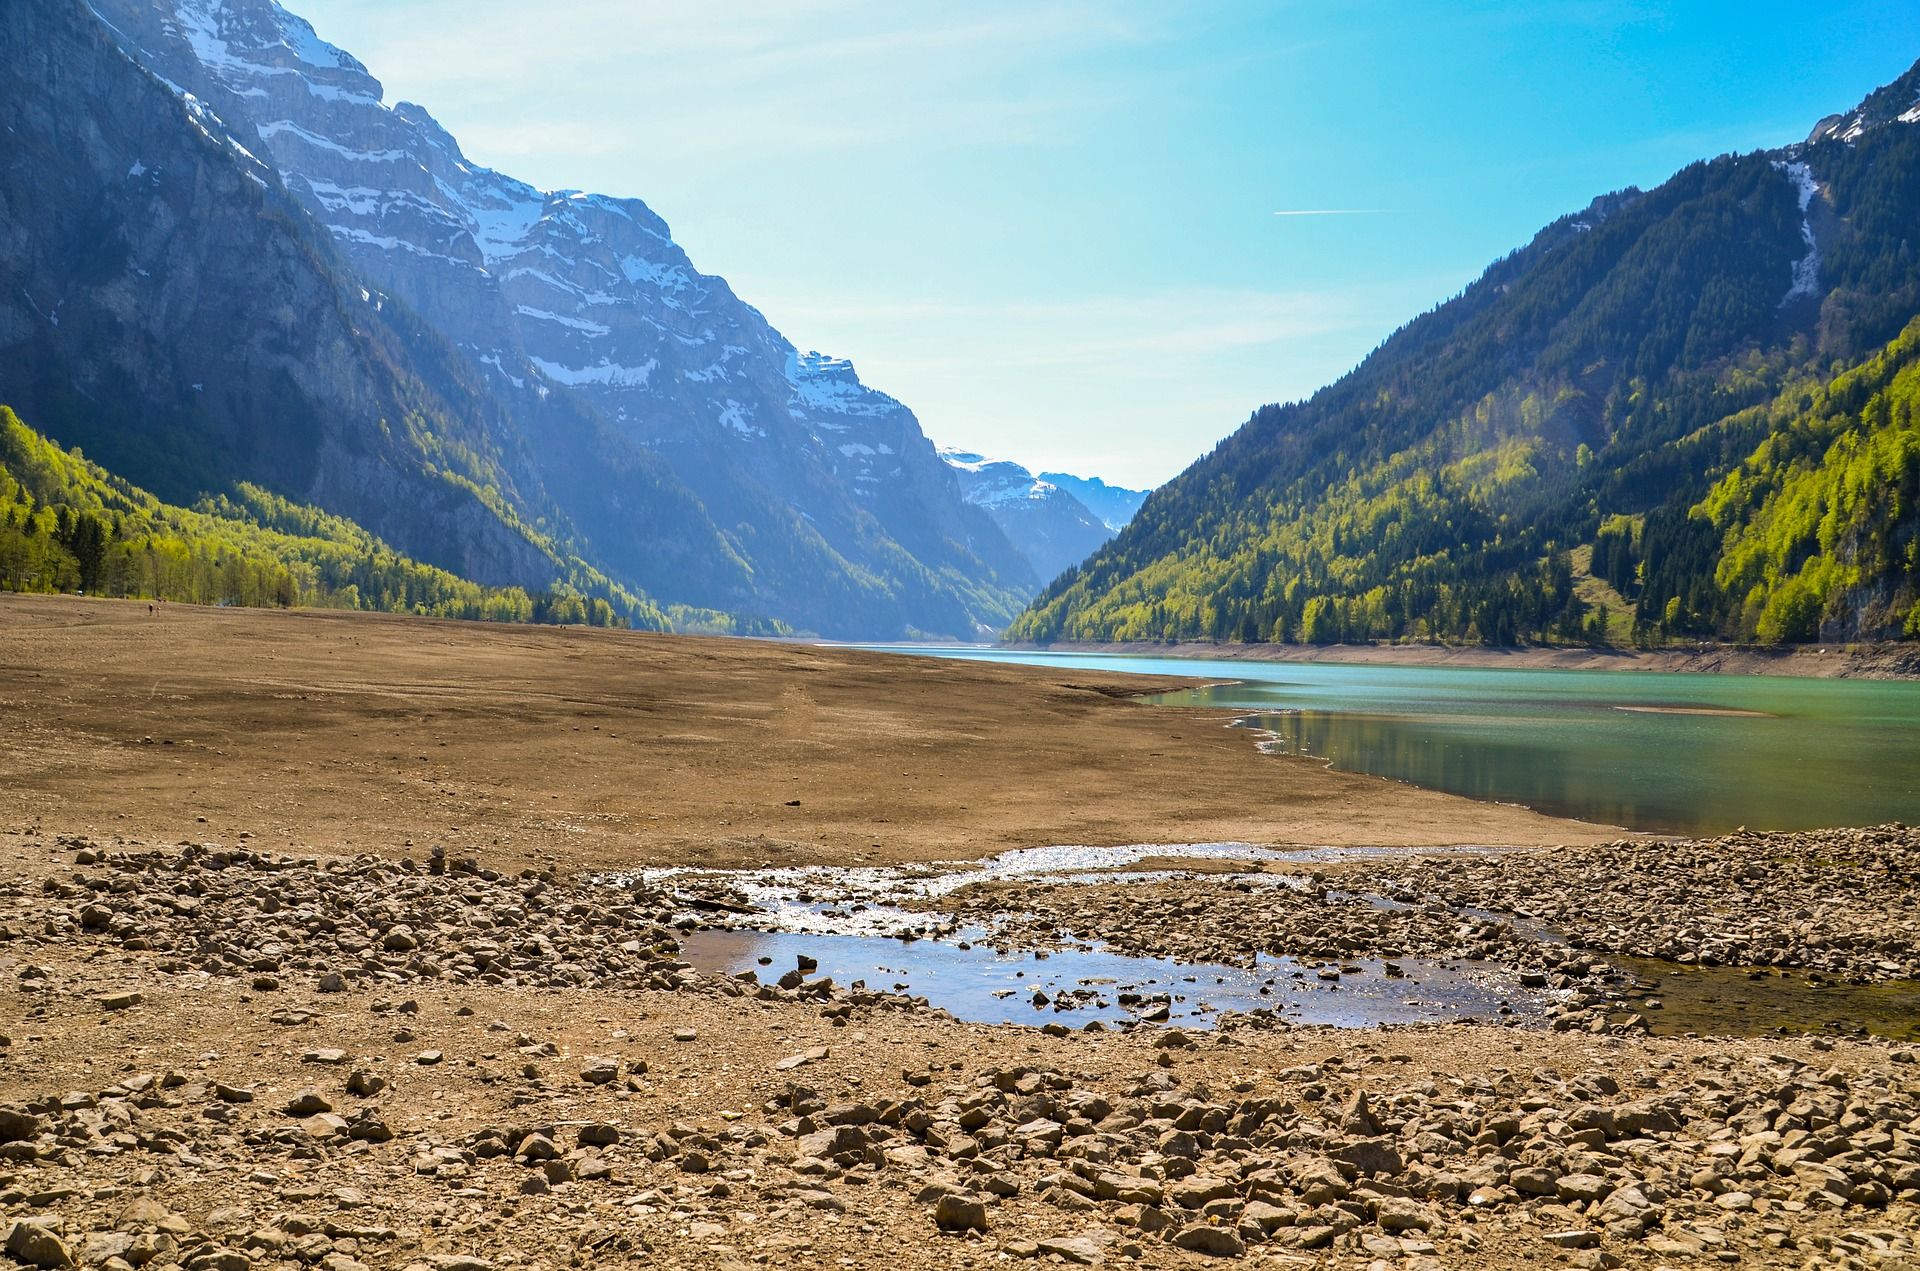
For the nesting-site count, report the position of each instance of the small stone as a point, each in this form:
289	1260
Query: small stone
1534	1180
330	1056
306	1103
122	1001
365	1084
956	1211
537	1147
1078	1250
1219	1242
18	1126
1397	1215
1583	1187
36	1241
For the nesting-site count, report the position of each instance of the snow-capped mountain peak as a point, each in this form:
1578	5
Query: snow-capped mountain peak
568	291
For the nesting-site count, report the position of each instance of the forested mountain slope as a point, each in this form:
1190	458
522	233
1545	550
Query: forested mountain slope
1574	408
67	524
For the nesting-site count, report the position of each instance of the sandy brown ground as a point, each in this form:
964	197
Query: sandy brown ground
352	732
349	733
1883	660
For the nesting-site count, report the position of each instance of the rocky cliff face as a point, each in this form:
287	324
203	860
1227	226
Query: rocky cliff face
832	507
166	305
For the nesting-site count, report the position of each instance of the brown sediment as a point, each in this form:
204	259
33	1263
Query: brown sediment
351	732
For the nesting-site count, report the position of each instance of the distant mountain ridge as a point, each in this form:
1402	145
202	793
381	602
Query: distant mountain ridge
1637	397
1051	527
654	421
1113	504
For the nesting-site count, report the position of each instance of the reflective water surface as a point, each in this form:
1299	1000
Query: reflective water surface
987	986
1648	750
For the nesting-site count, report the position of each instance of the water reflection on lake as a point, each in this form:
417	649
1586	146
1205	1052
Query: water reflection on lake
1648	750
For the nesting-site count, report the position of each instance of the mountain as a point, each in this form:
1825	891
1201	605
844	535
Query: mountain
654	426
1051	528
164	303
1649	407
67	524
1113	504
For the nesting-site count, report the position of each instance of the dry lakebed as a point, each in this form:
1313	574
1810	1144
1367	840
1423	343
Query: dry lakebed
343	942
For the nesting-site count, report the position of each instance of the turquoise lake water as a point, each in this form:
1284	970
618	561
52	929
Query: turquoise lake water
1606	746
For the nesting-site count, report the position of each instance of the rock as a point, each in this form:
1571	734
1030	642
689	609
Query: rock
325	1125
18	1126
1372	1156
1582	1187
1078	1250
1397	1215
36	1241
1268	1217
1572	1238
957	1211
122	1001
1192	1193
805	1057
685	1035
428	1058
536	1147
600	1072
598	1134
1357	1116
365	1084
1534	1180
1220	1242
144	1213
306	1103
330	1055
104	1246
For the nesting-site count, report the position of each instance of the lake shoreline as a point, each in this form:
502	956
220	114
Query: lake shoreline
1884	660
598	749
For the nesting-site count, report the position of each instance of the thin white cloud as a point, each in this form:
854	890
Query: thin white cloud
1333	211
665	81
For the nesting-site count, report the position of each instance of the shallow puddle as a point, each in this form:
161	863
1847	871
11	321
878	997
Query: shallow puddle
873	926
983	985
1732	1001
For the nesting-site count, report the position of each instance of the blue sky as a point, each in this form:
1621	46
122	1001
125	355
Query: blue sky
1048	225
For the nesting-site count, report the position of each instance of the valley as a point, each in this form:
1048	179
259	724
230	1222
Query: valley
514	759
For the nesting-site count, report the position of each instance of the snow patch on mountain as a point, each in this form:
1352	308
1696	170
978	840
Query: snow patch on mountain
996	481
1806	270
823	383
